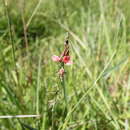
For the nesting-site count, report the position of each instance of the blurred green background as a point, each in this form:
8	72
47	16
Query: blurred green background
97	84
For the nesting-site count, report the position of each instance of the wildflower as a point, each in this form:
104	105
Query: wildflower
56	58
66	59
61	72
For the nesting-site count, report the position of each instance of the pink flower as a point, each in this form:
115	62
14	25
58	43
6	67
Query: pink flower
65	59
56	58
61	72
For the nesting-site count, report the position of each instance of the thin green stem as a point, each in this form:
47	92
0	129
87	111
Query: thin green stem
25	28
10	30
64	90
7	13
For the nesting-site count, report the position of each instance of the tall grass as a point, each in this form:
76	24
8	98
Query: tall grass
97	84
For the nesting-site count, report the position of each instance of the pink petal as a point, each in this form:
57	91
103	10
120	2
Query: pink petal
66	59
69	62
55	58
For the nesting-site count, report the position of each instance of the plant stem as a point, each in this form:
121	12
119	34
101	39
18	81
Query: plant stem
25	28
7	13
64	91
10	30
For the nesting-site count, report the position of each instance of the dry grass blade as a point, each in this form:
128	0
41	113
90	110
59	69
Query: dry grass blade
19	116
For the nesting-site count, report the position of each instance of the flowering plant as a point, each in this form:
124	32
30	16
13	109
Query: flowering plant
63	59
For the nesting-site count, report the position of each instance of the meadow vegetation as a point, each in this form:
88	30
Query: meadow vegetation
98	82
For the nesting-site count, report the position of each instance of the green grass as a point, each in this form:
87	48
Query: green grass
97	84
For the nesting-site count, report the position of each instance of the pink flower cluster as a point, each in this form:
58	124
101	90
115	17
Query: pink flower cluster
65	59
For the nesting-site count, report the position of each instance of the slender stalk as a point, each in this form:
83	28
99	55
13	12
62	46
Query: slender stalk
25	28
11	35
10	30
25	34
38	84
64	89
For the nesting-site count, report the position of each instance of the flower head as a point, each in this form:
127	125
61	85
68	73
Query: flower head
61	72
65	59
